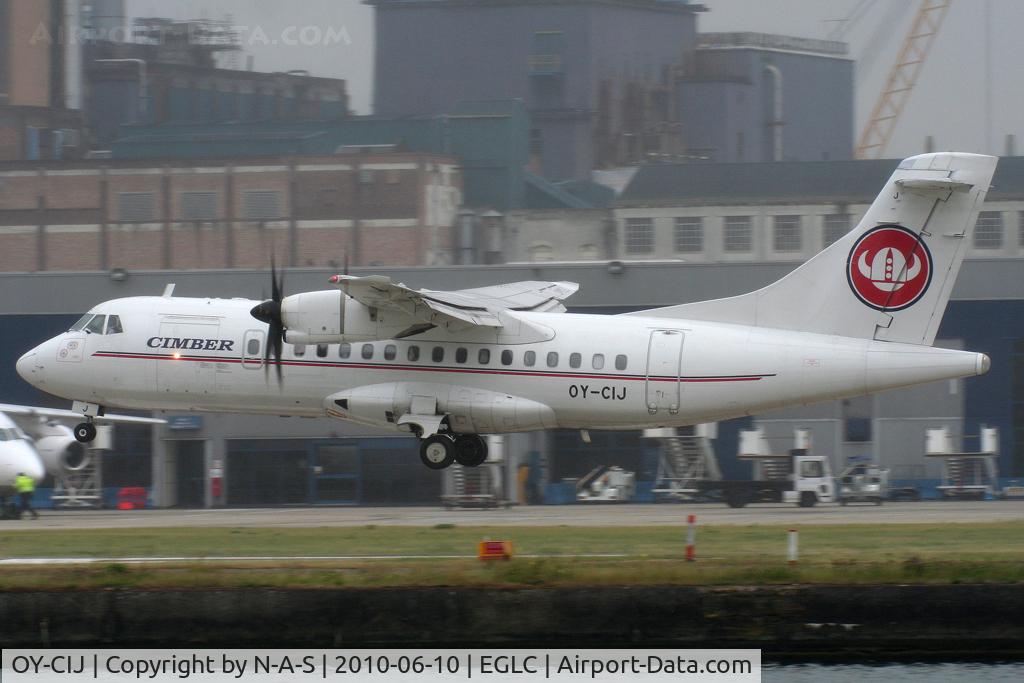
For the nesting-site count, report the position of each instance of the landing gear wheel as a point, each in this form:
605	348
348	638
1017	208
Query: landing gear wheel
437	452
470	450
85	432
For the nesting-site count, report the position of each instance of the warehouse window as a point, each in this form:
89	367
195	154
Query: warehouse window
737	237
262	205
639	235
198	206
689	235
786	234
988	231
137	207
836	225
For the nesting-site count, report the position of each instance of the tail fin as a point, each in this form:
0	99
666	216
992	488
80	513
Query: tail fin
888	279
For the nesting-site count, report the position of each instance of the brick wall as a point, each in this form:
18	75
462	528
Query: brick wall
304	211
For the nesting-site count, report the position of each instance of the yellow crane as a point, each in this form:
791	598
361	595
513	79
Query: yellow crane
902	79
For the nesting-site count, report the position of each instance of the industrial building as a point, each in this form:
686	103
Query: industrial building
40	80
610	83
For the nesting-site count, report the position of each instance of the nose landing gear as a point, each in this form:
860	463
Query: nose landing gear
85	432
441	450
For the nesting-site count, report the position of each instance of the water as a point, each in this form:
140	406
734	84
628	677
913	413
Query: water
960	672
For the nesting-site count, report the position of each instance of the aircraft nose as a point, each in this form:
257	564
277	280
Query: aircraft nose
27	368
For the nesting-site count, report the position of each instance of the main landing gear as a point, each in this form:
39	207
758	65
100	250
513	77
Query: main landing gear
441	451
85	432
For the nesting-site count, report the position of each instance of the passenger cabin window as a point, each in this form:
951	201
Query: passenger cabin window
575	360
484	357
598	361
437	355
390	352
253	347
530	358
300	350
114	325
414	354
367	351
95	325
507	358
321	350
553	359
345	351
621	362
461	355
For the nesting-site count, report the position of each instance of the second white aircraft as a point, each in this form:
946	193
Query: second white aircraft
859	317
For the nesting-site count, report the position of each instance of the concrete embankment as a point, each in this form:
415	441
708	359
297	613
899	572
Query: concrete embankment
954	620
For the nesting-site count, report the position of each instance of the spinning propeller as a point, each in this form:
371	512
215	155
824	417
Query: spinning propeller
269	312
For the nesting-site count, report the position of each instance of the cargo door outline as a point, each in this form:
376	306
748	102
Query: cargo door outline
185	371
664	366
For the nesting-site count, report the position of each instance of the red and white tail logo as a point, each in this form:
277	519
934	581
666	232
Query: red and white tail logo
889	268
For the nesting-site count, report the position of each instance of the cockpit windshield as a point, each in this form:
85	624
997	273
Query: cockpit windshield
98	324
82	322
95	325
10	434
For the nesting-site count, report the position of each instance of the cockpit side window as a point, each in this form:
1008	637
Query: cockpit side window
95	325
82	322
114	325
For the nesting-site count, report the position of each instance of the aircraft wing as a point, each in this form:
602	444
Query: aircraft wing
33	411
462	308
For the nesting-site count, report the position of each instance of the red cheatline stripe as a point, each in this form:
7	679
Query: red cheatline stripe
416	368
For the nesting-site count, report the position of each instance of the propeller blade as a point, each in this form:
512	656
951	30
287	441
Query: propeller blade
269	312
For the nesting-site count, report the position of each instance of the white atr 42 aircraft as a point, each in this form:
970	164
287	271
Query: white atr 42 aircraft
859	317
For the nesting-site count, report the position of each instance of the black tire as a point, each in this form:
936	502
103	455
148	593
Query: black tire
437	452
808	499
736	499
470	450
85	432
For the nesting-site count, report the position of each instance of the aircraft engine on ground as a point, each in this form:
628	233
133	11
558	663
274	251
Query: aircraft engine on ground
61	453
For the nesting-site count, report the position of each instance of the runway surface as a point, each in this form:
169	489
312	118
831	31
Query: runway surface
572	515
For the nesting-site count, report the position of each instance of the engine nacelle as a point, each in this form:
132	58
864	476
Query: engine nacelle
333	317
469	410
61	454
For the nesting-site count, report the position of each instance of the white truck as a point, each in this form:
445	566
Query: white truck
795	477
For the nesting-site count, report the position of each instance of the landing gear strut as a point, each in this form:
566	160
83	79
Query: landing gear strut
85	432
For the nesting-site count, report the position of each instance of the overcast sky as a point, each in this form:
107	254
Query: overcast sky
951	101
